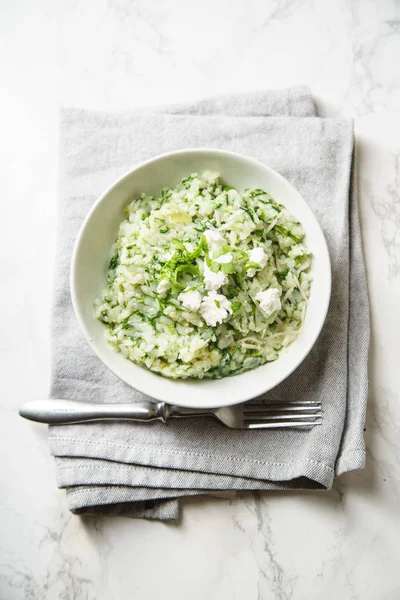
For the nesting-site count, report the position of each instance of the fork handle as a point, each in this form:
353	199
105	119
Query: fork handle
59	412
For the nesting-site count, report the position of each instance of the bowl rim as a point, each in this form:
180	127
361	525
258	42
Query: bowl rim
157	395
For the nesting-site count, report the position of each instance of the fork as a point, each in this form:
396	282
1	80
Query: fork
250	415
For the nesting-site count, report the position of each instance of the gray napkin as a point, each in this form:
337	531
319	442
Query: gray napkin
141	470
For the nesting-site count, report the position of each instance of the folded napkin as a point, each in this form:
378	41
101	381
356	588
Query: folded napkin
141	470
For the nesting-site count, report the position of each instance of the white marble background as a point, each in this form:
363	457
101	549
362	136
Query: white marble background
122	53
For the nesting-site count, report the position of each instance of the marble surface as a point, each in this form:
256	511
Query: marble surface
124	53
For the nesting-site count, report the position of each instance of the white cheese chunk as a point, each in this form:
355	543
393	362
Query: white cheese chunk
269	301
213	281
215	308
257	255
214	240
190	300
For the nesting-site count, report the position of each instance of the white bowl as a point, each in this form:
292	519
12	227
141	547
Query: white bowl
92	254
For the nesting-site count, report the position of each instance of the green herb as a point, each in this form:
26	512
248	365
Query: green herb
180	263
164	229
220	251
179	244
165	194
238	279
196	253
218	205
232	291
104	317
114	262
282	274
254	352
226	268
236	306
226	188
252	265
194	287
203	243
150	320
249	212
214	266
287	233
257	192
217	303
240	255
144	216
188	268
187	180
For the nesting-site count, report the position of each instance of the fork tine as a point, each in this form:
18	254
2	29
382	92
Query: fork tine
285	417
267	405
280	424
255	401
282	409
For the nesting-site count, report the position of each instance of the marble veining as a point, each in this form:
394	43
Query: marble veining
123	54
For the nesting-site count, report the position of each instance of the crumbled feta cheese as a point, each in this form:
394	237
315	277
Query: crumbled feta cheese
163	287
213	281
224	258
215	308
269	301
190	300
257	255
214	240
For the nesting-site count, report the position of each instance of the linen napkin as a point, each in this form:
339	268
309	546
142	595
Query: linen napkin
141	470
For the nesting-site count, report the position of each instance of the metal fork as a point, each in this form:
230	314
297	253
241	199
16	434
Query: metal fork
250	415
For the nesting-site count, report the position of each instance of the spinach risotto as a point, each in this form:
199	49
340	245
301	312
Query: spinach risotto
204	281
